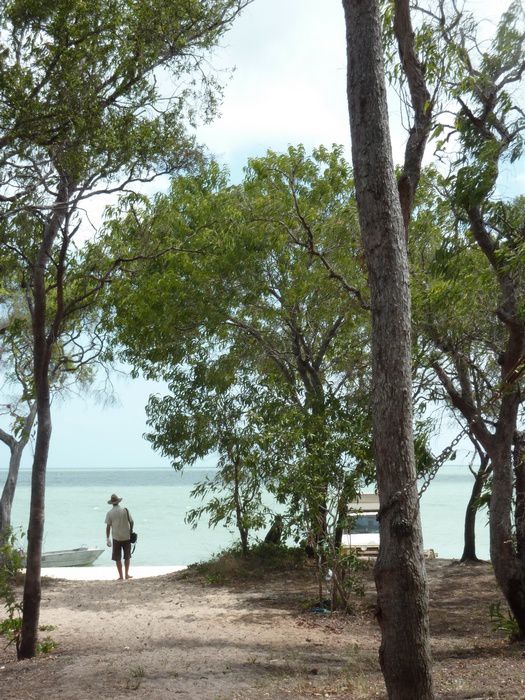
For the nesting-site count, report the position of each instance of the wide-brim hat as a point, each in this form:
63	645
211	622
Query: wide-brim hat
114	499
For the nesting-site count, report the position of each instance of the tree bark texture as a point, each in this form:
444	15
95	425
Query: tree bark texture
400	571
35	531
506	543
519	470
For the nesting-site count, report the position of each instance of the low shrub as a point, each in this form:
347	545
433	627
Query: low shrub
262	559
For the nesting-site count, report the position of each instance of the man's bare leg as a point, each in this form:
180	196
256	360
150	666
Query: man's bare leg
126	566
119	569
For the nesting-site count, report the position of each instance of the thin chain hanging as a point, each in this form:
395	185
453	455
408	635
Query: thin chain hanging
439	461
512	377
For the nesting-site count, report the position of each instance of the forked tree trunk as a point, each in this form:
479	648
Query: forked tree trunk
16	448
507	533
400	572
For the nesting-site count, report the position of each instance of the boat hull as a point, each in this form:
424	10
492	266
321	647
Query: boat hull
83	556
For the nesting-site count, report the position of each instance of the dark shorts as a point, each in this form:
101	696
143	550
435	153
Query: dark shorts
119	548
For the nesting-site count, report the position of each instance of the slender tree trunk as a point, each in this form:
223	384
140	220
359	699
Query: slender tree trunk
469	540
400	571
8	492
16	448
244	540
35	531
243	532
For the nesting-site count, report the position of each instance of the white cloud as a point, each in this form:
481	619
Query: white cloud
289	84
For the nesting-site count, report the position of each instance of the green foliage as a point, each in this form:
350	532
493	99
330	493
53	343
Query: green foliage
10	628
11	562
10	566
82	97
338	568
85	70
341	570
268	359
455	293
437	60
46	645
90	103
466	247
504	621
237	485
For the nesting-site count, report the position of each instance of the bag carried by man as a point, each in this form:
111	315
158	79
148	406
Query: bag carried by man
133	537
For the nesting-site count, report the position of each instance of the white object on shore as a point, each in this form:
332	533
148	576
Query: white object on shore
108	573
363	535
82	556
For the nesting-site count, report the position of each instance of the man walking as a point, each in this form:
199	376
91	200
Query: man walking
120	523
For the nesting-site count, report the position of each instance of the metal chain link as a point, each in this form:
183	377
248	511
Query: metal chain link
512	377
439	461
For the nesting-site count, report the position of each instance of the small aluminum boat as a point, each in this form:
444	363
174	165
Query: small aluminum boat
82	556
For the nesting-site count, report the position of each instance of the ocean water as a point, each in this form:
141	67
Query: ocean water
158	499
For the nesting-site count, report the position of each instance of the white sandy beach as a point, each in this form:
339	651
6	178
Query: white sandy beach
105	573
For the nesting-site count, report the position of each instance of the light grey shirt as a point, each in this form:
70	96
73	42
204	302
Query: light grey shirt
117	519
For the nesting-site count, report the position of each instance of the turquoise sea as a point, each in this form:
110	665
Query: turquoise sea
159	498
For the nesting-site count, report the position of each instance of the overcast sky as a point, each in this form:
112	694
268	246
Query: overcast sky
289	87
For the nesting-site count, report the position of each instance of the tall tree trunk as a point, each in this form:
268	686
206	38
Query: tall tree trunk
45	333
16	448
400	570
469	538
35	530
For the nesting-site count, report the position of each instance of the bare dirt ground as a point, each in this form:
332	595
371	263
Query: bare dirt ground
175	636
